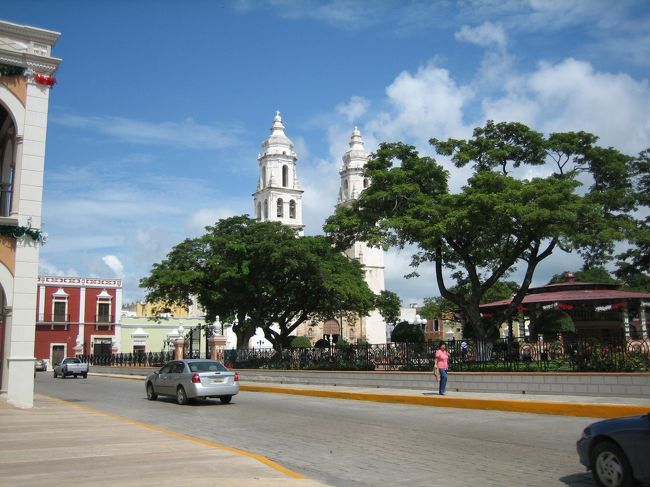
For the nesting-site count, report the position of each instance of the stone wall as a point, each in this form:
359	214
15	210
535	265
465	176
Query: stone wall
623	384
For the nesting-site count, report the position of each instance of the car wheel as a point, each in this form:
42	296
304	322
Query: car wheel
151	395
225	399
85	376
610	467
55	374
74	375
181	396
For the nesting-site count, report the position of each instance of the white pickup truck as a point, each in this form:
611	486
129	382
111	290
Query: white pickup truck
71	366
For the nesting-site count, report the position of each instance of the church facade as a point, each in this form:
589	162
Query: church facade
279	198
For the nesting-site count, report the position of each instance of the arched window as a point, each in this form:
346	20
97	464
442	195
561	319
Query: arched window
263	177
345	189
292	209
266	209
285	176
280	212
259	211
365	183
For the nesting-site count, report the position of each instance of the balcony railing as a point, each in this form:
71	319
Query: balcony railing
103	320
55	318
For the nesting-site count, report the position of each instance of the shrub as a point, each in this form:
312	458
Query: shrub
553	322
300	342
406	333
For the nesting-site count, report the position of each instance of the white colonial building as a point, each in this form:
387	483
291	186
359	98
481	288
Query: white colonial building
26	76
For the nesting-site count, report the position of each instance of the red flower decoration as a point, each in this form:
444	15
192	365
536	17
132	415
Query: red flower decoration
567	307
41	79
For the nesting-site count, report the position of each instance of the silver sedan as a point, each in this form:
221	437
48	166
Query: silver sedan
193	378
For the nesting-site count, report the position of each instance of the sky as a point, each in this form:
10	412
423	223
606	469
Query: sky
160	107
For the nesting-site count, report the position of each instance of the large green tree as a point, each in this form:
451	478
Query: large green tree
499	221
634	263
259	275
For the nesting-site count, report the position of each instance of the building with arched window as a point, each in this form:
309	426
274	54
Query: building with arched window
26	76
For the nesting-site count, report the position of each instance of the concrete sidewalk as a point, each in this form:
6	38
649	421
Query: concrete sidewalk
56	440
564	405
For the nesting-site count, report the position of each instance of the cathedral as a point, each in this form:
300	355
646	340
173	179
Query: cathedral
279	198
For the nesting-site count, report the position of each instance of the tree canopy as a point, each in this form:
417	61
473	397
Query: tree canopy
258	274
634	264
497	222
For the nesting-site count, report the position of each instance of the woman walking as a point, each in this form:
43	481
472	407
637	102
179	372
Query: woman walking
442	363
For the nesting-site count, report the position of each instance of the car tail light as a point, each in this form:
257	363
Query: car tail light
196	379
236	377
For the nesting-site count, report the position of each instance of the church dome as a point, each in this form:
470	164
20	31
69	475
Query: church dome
356	156
278	143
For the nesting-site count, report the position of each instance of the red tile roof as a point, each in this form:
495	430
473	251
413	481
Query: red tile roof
573	295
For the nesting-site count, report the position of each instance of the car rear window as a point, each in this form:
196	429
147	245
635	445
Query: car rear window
72	361
207	367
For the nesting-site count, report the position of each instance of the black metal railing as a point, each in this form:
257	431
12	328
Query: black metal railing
150	359
569	354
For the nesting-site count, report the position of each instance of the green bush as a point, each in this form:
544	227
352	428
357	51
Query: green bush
300	342
553	322
406	333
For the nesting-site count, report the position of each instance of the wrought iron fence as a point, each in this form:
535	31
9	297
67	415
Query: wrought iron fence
151	359
569	354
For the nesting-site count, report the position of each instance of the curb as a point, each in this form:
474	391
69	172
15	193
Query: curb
602	410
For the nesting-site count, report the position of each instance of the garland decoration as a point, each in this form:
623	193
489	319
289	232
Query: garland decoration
42	79
613	306
19	231
6	70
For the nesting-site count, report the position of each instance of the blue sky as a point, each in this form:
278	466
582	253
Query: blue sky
160	107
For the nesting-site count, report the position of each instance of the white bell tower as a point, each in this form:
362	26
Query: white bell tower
278	196
371	259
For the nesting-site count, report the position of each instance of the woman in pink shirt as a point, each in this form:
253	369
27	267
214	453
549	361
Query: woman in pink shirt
442	362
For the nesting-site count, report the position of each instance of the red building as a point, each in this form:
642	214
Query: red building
76	315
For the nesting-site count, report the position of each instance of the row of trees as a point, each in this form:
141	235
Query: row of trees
583	200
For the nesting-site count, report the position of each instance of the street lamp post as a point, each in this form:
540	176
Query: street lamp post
418	320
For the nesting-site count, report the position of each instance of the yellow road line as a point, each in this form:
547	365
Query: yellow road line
589	410
183	436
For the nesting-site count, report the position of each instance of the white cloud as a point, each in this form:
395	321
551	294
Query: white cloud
354	109
114	264
46	268
425	103
485	35
572	95
186	134
203	217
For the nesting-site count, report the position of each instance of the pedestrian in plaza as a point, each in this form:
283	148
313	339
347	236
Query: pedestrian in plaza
442	364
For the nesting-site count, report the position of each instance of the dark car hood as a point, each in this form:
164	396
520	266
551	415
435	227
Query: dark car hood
621	423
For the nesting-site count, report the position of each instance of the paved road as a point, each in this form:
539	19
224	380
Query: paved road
350	443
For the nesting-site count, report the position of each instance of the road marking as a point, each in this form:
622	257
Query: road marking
183	436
